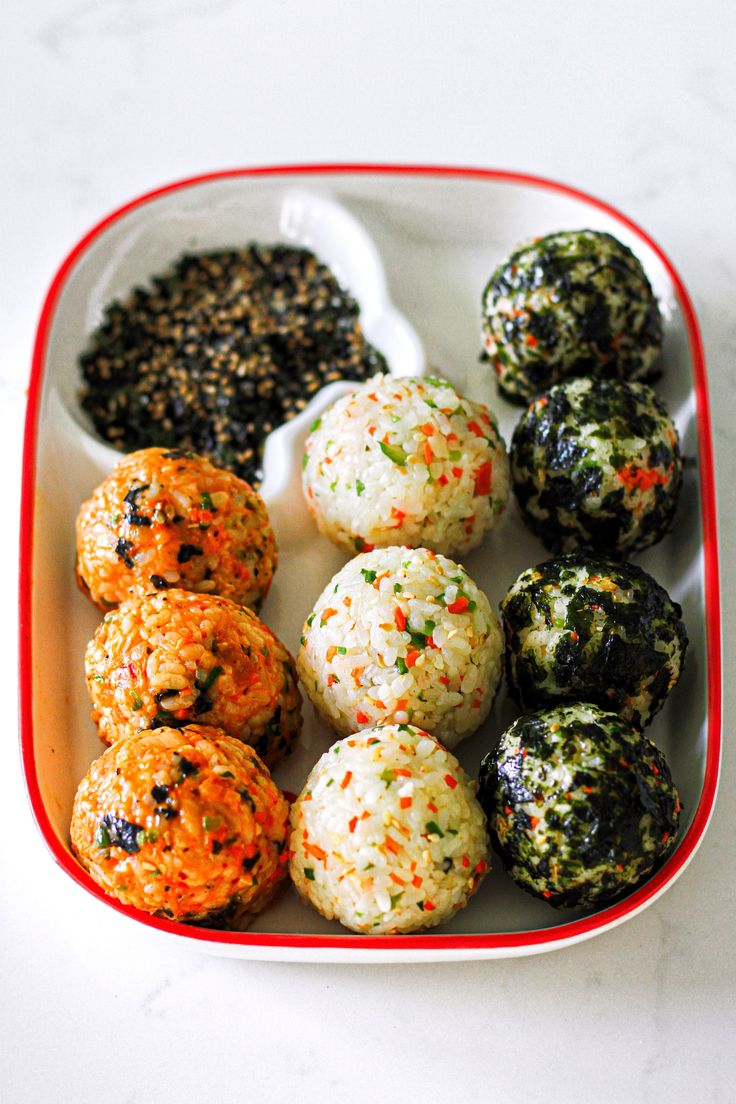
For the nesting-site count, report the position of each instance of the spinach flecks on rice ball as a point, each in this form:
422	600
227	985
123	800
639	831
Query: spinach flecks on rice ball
580	805
573	303
591	629
172	658
406	461
387	834
170	518
402	635
596	464
187	824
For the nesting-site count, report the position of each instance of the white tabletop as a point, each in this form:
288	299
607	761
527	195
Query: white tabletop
103	99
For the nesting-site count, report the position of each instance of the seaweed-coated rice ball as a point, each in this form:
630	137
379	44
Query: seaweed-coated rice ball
596	464
174	657
169	518
184	823
573	303
579	804
387	835
584	628
402	635
406	461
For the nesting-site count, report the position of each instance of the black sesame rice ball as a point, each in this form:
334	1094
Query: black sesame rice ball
580	805
573	303
596	464
591	629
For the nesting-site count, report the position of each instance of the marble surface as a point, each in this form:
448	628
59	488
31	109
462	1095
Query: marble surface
102	99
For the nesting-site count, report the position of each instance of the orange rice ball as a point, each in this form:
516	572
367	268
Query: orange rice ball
187	824
173	658
169	518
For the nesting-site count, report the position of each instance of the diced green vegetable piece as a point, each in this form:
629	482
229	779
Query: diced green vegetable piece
394	453
208	680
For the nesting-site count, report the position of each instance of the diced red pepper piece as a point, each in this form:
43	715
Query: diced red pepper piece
459	605
483	479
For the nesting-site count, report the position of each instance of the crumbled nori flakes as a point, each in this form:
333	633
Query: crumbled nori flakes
221	349
122	550
603	800
121	833
188	552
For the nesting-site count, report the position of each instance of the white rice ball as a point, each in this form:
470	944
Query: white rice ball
387	834
404	635
406	461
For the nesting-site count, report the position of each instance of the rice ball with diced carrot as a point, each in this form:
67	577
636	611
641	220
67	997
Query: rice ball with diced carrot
387	835
406	461
402	635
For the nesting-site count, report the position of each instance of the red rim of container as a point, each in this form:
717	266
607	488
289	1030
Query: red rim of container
540	939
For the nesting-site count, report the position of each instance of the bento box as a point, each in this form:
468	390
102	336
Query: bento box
415	246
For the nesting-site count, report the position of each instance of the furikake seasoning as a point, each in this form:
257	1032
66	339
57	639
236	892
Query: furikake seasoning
220	350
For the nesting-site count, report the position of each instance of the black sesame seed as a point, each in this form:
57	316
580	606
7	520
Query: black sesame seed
218	351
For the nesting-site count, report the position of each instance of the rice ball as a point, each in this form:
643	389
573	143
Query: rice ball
573	303
596	464
406	461
387	835
169	518
584	628
186	824
402	635
172	658
580	805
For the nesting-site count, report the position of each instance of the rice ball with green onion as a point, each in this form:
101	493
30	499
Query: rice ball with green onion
168	518
406	461
573	303
596	464
186	824
403	635
174	657
580	805
387	835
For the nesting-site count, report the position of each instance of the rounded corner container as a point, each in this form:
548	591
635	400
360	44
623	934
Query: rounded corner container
416	245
